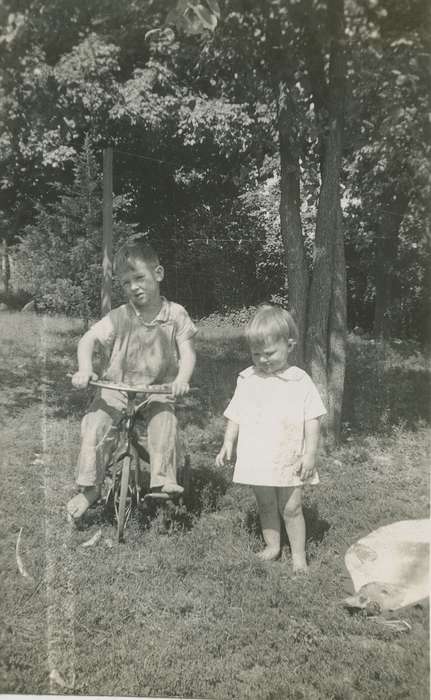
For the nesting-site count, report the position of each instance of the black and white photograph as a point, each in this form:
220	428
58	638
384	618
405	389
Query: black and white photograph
215	343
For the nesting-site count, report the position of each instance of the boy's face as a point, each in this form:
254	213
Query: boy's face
141	283
272	355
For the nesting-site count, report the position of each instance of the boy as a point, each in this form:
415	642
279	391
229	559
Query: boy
149	340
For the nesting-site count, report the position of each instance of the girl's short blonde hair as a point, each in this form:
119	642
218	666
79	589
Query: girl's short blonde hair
271	321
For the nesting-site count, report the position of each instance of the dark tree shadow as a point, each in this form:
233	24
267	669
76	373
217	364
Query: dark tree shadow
206	488
21	386
385	387
315	526
377	394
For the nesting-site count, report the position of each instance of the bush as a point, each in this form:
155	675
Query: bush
15	299
58	258
228	317
63	297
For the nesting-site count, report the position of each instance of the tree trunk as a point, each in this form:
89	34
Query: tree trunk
387	240
337	333
290	217
322	307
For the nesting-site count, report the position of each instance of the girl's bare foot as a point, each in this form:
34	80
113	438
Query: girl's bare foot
300	567
269	554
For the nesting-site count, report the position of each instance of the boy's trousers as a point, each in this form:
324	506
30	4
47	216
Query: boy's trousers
100	435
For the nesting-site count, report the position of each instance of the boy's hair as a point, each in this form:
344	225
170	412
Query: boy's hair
131	251
271	321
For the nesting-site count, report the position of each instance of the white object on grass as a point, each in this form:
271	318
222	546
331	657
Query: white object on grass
93	540
56	678
390	567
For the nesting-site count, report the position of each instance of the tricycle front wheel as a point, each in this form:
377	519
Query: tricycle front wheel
122	497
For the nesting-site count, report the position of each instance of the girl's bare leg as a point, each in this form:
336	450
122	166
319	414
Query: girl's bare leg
266	497
290	508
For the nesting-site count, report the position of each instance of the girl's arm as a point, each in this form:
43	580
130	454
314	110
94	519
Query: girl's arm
230	438
311	443
187	361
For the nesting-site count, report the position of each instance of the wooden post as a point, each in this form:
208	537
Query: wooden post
5	267
107	231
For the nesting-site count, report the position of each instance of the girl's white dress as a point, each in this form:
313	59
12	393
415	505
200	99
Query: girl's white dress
271	411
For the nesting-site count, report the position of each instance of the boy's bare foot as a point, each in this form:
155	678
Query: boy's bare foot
77	505
269	554
171	488
156	496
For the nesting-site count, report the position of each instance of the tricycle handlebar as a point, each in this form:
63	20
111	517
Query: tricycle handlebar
135	389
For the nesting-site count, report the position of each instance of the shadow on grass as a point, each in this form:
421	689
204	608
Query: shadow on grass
384	386
316	527
376	401
206	489
21	385
34	357
387	383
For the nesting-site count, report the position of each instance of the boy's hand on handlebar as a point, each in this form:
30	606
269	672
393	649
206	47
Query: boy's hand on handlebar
80	379
180	388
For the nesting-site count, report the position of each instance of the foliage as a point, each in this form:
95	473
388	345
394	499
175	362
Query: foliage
58	258
388	171
194	16
185	93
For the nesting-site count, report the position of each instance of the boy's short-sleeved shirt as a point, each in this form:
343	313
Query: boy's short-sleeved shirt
141	352
271	411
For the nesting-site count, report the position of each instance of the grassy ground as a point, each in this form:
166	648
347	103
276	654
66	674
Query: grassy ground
192	613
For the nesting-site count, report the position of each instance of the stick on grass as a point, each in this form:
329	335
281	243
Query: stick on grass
22	570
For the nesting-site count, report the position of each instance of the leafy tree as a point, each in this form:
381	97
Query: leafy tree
388	179
227	122
294	58
296	55
59	257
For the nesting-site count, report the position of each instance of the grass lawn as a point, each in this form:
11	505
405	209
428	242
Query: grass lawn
192	613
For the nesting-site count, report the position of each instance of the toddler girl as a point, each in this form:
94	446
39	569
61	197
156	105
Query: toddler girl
273	418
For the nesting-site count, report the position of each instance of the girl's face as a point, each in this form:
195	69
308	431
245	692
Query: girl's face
272	355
